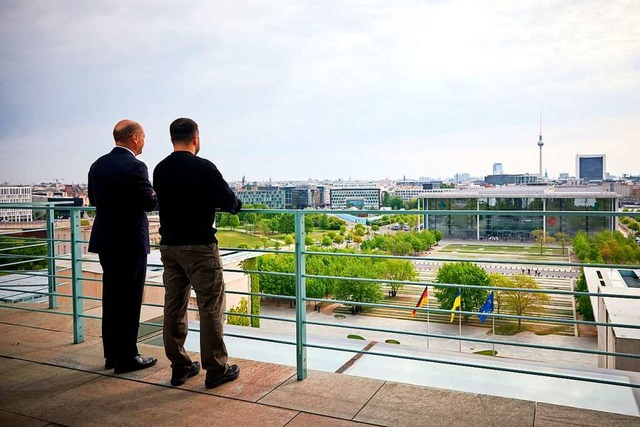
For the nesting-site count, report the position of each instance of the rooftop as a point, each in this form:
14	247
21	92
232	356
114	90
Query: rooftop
549	192
47	379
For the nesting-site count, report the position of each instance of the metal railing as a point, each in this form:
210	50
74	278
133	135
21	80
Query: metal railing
67	270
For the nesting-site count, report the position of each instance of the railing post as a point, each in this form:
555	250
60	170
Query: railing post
301	309
51	253
76	277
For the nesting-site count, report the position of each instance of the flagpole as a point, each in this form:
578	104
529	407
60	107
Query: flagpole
493	344
460	324
428	318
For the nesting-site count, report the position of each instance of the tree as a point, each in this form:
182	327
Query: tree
401	243
412	204
223	220
607	246
234	221
581	246
21	253
323	222
583	302
397	269
275	284
326	241
308	224
288	239
464	273
524	303
563	239
498	280
396	202
286	224
242	308
386	197
262	227
308	241
252	264
541	239
355	290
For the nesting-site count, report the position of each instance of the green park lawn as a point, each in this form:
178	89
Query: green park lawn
317	234
507	249
232	239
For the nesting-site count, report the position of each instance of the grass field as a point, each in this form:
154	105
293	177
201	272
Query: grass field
316	235
231	239
506	249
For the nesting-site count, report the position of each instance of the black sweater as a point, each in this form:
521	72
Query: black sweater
189	190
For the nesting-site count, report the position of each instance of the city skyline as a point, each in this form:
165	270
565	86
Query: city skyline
337	90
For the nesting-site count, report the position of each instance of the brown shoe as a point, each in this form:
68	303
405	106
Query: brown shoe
232	373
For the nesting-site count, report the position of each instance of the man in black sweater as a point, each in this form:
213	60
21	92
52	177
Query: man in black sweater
189	190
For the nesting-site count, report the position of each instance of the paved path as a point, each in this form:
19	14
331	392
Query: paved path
352	322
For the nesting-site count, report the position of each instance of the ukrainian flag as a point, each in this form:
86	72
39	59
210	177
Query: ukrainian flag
456	305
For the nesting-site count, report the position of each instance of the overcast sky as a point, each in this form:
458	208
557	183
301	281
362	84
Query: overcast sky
322	89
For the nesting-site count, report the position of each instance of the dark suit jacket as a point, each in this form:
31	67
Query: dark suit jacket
120	190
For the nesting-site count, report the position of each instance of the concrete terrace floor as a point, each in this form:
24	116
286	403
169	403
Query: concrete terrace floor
47	380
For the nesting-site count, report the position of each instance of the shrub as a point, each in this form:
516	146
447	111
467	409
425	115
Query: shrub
242	308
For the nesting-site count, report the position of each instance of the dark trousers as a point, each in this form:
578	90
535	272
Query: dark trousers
198	267
122	286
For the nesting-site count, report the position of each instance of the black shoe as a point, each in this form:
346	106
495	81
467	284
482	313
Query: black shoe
179	375
134	364
232	373
109	363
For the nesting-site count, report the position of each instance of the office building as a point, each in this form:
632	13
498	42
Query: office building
497	169
271	197
591	167
522	198
362	197
615	339
505	179
15	194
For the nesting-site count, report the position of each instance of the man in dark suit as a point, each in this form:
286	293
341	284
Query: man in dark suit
120	190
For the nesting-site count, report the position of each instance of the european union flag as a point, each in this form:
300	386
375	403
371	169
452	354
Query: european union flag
487	307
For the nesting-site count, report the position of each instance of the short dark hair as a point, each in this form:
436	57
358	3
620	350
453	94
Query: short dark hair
183	130
125	133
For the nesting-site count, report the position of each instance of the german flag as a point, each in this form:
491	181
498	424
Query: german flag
422	301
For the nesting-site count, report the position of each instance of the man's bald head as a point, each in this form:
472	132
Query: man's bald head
130	134
124	130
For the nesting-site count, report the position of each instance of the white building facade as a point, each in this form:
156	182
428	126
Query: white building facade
18	194
361	197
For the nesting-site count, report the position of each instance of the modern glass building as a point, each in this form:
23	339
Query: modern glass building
524	198
271	197
591	167
361	196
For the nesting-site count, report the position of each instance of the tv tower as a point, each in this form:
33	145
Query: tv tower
540	144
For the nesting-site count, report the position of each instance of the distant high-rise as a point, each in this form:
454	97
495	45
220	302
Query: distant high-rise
497	169
591	167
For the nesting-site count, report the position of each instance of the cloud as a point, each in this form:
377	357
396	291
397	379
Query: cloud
324	89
